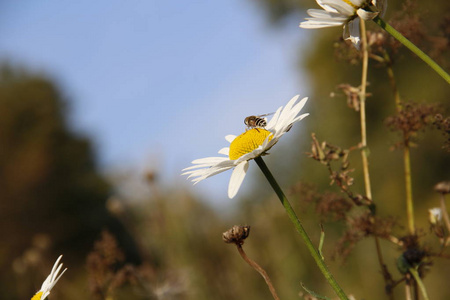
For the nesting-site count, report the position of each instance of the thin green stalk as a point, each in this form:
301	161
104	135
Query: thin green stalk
365	159
419	281
413	48
322	238
409	198
362	110
298	226
406	150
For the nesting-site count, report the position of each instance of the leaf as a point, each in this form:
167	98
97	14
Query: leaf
313	293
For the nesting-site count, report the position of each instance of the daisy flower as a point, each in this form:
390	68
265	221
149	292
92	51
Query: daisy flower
344	13
252	143
50	282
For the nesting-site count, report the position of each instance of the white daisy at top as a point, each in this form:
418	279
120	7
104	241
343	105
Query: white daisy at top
249	145
344	13
50	281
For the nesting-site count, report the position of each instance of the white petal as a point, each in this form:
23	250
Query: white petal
286	112
212	172
313	24
286	115
210	160
251	155
291	102
230	138
198	166
299	106
274	119
225	151
205	169
322	14
351	32
299	118
340	6
237	177
366	15
326	7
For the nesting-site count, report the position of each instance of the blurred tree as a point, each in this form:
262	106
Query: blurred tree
50	188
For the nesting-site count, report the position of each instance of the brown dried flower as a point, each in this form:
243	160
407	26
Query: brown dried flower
412	118
442	187
352	93
362	226
443	124
327	153
236	234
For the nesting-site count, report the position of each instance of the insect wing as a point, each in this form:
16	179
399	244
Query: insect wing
265	115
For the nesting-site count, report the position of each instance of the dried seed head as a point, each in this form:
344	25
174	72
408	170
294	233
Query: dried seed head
237	234
442	187
443	125
412	118
352	94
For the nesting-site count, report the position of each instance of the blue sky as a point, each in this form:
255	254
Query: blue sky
157	84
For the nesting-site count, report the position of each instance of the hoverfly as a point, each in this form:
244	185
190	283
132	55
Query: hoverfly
256	121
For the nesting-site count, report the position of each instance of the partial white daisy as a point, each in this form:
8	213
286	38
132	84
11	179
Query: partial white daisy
435	215
50	281
344	13
249	145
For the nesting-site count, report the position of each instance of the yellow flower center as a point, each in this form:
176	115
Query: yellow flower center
247	142
37	296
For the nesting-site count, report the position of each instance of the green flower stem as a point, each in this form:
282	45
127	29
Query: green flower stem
419	281
293	217
408	185
413	48
406	150
362	112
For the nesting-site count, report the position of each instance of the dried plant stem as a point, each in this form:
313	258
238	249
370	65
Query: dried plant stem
389	282
419	281
444	212
408	287
397	35
365	66
260	270
406	150
298	226
408	291
362	110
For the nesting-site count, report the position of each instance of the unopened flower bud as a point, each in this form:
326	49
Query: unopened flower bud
403	264
237	234
442	187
